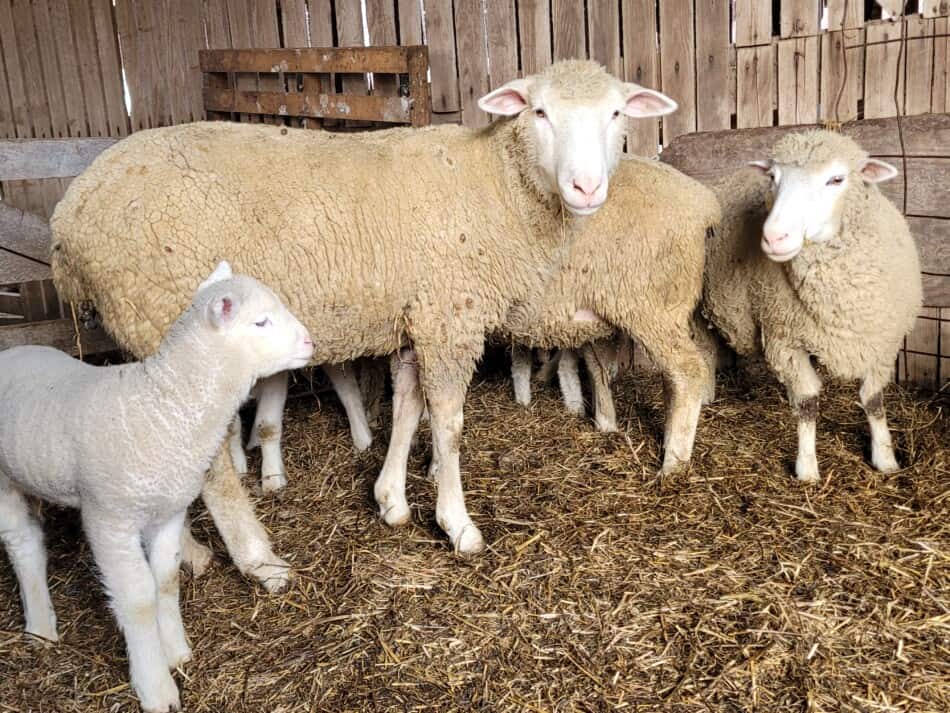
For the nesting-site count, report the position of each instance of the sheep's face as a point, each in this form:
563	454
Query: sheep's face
572	121
807	201
246	318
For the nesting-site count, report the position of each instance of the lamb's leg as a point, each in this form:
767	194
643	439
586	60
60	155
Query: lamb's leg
390	488
164	557
601	360
348	391
521	373
710	347
117	550
570	381
882	450
22	537
549	362
445	410
233	514
793	368
268	428
372	387
238	456
194	555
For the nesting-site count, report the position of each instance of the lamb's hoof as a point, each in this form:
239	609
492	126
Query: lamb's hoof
273	483
469	541
240	465
45	629
275	576
177	655
576	409
605	425
161	698
886	463
396	514
196	557
362	441
806	471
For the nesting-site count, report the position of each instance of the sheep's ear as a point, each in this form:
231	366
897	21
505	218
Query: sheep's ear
221	272
508	100
875	171
222	310
763	166
643	102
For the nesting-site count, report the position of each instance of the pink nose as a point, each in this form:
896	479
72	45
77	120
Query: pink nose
775	238
587	186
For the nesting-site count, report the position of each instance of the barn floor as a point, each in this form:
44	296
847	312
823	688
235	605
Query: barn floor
728	587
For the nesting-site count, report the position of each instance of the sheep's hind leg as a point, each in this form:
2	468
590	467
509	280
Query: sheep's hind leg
348	391
268	429
22	537
245	537
194	555
117	550
570	382
390	488
601	360
521	374
164	557
882	449
795	371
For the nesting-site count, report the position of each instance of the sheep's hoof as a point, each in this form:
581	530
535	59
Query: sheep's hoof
395	515
605	425
177	655
161	700
469	541
886	463
575	408
273	483
196	557
45	629
362	441
806	471
274	576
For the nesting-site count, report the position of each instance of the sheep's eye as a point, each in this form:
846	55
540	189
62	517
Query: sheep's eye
616	113
263	323
540	113
835	181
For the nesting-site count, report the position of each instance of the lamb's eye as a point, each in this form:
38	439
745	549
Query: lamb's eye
540	113
835	181
616	113
263	323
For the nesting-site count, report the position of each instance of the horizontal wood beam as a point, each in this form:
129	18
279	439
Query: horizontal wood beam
58	333
343	60
29	159
324	106
24	234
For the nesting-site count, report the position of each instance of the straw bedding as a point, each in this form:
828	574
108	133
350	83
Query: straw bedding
728	587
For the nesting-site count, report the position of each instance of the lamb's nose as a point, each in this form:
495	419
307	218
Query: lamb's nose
774	238
587	186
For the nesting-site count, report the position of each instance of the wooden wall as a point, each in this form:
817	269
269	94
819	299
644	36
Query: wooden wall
729	63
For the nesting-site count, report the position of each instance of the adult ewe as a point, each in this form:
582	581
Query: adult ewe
812	261
130	445
426	237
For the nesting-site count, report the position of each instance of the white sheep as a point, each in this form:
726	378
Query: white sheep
129	446
426	237
812	261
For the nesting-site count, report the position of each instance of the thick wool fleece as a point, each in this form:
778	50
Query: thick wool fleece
849	301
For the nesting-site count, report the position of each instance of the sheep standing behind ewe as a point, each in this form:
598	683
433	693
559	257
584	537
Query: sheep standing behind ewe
812	261
422	237
164	419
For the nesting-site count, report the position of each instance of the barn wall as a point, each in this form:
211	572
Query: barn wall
729	63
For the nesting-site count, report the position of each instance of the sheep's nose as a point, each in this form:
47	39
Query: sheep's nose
774	238
587	186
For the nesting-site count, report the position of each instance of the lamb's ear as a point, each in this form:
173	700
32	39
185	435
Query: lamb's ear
643	102
508	100
222	310
876	171
764	166
221	272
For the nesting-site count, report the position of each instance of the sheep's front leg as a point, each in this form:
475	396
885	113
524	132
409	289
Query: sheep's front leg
22	537
348	391
164	557
117	550
445	411
570	382
245	537
268	428
390	488
521	373
601	360
882	449
238	456
794	369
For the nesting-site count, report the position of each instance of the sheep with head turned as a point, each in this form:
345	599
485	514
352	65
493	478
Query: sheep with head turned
129	445
426	237
811	261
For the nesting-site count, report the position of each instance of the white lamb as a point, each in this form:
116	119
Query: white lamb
130	445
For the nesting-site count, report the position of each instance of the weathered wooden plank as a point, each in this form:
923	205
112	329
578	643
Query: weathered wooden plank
603	26
38	301
381	23
22	159
90	69
677	62
920	60
840	74
31	66
410	22
568	23
753	22
110	65
393	60
713	107
921	367
472	61
798	78
25	234
75	103
800	18
420	110
349	31
933	237
15	268
928	187
58	333
501	28
534	22
936	291
440	36
293	23
137	58
883	78
941	52
216	22
755	86
56	102
845	14
7	127
358	107
640	57
11	60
